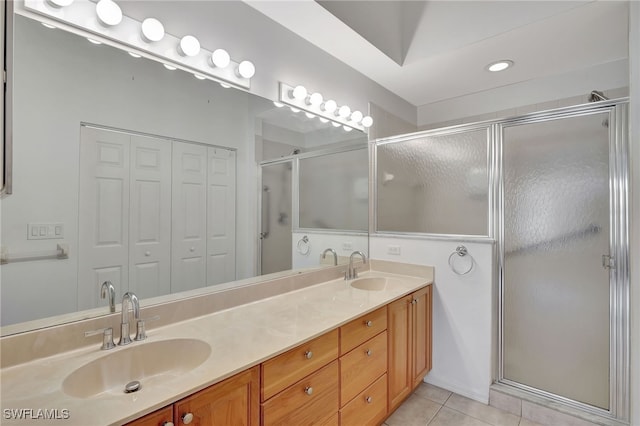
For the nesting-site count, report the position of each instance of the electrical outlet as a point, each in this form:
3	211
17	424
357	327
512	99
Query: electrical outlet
395	250
347	246
45	231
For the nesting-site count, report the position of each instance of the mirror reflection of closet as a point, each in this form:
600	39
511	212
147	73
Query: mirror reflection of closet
182	211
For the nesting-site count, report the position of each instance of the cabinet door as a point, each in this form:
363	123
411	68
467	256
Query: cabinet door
421	319
150	217
399	346
161	417
189	217
232	402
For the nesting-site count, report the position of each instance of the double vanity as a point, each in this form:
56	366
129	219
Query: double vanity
310	349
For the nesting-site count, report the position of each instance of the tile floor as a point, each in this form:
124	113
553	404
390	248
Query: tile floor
433	406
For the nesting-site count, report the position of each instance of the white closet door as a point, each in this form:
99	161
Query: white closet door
221	217
189	217
104	214
150	219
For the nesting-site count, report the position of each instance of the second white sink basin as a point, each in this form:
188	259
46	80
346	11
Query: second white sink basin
372	283
149	363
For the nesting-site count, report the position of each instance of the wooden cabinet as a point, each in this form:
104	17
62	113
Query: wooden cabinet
284	370
234	401
161	417
312	400
409	344
357	374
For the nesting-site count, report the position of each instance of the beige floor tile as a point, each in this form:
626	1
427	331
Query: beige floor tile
481	411
526	422
505	402
548	416
433	393
415	411
449	417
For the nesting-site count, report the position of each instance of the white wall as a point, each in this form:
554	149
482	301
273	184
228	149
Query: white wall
343	244
634	57
464	311
99	85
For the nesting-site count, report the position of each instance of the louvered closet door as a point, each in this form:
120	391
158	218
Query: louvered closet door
189	217
150	219
103	214
221	216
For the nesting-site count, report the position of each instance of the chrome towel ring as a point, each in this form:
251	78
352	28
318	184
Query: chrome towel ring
460	261
303	246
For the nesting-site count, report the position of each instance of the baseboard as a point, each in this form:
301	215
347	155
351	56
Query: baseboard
459	388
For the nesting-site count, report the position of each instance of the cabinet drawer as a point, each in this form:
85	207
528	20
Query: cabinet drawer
157	418
362	329
360	367
334	420
368	408
284	370
310	401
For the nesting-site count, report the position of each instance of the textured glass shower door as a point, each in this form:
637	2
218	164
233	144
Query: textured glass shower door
275	209
556	230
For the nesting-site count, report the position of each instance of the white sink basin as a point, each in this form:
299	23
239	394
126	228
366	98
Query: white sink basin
371	284
149	363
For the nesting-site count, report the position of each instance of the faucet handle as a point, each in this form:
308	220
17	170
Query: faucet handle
141	332
107	337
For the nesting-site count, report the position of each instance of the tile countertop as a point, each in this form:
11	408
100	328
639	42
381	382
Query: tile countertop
240	338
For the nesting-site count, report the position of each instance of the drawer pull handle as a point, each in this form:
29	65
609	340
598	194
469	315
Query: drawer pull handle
369	352
187	418
368	323
308	390
369	400
308	354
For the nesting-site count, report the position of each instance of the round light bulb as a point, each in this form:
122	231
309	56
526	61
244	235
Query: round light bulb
278	104
189	46
344	111
309	115
60	3
246	69
334	124
367	121
220	58
347	128
152	30
170	67
299	93
134	55
109	13
356	116
315	99
323	120
330	106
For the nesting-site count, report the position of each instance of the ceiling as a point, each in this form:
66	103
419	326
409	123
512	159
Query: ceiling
428	51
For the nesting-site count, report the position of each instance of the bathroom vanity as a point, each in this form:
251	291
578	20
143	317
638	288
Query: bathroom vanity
333	352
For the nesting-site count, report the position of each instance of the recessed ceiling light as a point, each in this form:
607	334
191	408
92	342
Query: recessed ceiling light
499	65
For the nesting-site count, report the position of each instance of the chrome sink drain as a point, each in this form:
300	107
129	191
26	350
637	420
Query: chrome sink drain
134	386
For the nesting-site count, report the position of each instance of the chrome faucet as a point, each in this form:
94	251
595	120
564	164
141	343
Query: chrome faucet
335	255
128	297
107	287
352	273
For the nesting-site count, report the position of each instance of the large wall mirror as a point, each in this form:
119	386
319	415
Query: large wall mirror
128	172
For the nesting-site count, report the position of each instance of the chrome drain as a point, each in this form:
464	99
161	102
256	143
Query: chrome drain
134	386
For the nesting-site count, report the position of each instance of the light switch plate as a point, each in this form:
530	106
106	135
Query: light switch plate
394	250
45	231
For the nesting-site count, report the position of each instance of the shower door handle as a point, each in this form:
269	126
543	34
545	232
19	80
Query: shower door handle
608	262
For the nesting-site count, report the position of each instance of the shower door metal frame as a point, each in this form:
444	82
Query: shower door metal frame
618	244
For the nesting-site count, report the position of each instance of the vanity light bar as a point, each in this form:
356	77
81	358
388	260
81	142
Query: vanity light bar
145	38
314	104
